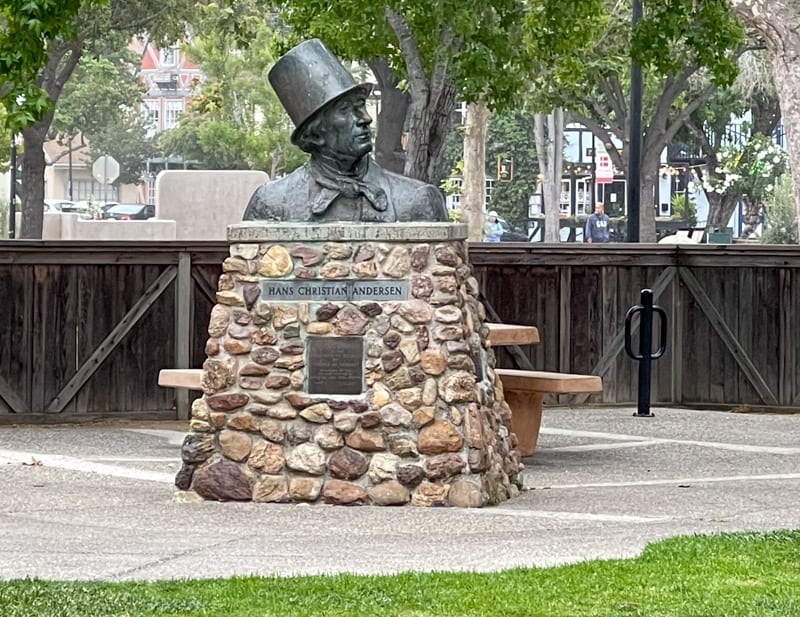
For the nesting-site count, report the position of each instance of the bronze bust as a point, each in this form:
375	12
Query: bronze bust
340	182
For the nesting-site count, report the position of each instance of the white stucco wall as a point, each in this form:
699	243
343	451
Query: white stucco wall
204	202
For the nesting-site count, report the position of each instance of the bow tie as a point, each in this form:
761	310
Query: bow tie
336	185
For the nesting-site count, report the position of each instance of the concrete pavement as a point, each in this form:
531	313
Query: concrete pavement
96	502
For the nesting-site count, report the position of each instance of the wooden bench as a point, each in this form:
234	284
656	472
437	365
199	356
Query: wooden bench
524	391
499	334
188	378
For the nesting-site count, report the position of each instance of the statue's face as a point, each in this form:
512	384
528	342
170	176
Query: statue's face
345	125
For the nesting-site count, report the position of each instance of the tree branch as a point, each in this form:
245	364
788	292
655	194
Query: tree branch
410	50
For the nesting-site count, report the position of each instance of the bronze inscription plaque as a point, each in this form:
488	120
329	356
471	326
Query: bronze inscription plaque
335	365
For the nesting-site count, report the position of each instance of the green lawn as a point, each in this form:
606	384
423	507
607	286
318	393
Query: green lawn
746	575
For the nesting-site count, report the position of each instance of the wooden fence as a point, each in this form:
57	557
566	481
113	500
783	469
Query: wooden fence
85	327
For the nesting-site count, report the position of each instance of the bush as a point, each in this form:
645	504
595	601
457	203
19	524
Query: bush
679	211
780	216
4	219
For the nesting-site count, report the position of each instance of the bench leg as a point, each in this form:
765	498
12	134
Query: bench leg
526	418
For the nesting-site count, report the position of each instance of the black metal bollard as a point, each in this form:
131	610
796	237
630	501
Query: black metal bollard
645	355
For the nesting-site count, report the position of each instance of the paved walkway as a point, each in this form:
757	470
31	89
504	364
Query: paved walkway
96	502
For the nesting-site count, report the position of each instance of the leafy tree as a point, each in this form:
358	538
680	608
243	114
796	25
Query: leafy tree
100	103
442	50
28	29
85	32
776	21
236	121
708	129
511	134
676	42
748	171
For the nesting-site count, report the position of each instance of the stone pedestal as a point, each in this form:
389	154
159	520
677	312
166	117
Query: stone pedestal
347	365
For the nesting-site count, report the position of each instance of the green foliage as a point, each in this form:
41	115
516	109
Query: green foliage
735	575
235	121
751	168
28	28
512	134
449	184
5	211
485	59
683	209
101	101
703	32
780	222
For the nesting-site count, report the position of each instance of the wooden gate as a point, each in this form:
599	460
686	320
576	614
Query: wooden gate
86	327
731	312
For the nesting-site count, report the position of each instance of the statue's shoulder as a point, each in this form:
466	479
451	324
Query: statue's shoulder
284	185
274	200
414	199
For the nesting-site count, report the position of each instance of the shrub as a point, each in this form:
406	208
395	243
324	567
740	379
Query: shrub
679	209
780	216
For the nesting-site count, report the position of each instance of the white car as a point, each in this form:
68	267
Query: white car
89	209
57	205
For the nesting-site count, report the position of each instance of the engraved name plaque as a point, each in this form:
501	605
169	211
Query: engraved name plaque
323	291
335	365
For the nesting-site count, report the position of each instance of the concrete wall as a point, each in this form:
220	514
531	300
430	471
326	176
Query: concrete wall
204	202
59	226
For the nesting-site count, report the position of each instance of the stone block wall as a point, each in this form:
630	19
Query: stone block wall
423	422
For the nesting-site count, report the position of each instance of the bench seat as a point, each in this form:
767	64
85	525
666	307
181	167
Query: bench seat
524	392
189	378
501	334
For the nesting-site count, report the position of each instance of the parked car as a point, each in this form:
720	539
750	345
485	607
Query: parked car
511	233
89	209
130	212
57	205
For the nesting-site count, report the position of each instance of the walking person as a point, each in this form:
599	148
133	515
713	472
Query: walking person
598	226
493	230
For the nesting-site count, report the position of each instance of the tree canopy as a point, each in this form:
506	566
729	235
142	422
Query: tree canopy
235	121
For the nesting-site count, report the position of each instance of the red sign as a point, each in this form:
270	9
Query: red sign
604	171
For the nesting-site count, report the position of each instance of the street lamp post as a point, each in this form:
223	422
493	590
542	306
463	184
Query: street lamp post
12	206
635	149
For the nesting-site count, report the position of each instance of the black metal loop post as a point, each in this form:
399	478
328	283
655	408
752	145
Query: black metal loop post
645	355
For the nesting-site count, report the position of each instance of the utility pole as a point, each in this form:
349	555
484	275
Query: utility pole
635	149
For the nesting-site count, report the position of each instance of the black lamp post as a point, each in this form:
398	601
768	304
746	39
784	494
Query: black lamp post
635	150
12	206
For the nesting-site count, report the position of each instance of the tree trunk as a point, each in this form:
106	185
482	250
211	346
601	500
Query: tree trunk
391	118
776	21
720	209
62	60
433	98
647	194
431	119
473	189
550	153
32	189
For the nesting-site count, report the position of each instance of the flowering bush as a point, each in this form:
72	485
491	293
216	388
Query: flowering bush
750	169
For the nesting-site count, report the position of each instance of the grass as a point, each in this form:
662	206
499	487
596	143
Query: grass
730	575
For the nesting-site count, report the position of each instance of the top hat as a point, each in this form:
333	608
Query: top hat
308	77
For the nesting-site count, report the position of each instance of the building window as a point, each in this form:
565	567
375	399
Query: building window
89	190
151	114
564	207
168	56
583	200
489	189
171	114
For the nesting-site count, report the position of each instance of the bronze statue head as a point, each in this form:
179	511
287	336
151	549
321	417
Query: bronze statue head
308	78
